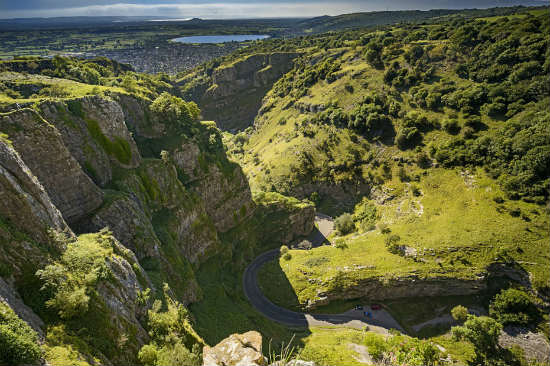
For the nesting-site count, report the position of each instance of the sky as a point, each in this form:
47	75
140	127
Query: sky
221	9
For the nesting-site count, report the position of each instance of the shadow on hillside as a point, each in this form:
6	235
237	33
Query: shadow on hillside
225	310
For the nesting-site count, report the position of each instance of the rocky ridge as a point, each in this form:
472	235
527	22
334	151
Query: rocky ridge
79	165
233	95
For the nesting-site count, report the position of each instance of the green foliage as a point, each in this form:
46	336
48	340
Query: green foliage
178	354
148	355
365	215
459	313
71	280
518	154
18	341
344	224
483	332
175	111
514	307
402	350
392	243
174	342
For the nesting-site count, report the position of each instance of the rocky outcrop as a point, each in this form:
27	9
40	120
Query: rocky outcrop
236	91
407	286
23	200
95	132
41	147
535	345
236	350
126	218
120	293
284	219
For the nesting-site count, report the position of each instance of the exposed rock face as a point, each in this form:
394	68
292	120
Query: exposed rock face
42	149
535	345
23	200
84	164
236	350
407	286
129	223
120	296
284	219
95	132
236	91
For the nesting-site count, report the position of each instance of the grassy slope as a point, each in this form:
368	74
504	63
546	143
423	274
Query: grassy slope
460	223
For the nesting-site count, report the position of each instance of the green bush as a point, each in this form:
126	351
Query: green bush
392	243
459	313
173	340
175	110
344	224
514	307
178	354
72	279
18	341
365	215
148	355
483	333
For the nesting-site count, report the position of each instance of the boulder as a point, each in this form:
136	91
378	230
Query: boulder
237	349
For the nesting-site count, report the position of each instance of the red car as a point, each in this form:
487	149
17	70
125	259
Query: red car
376	306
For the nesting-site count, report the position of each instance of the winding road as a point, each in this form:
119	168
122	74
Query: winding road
381	322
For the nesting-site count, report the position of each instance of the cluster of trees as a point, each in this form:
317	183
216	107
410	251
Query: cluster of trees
175	111
509	307
370	117
304	76
518	154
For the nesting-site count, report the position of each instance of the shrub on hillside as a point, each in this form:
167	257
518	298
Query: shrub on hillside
365	215
483	333
72	278
344	224
392	243
175	110
18	341
513	307
173	340
459	313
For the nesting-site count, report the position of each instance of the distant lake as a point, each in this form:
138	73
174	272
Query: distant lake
221	38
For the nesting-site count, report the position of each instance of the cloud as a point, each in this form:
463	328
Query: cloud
238	9
205	10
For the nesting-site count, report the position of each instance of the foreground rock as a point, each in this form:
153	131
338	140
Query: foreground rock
242	350
238	349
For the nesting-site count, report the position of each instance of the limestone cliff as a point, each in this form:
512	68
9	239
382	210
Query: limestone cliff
233	94
168	194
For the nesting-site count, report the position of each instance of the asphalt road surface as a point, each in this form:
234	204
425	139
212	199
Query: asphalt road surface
381	321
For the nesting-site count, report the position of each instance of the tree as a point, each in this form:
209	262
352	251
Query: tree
344	224
483	333
391	243
459	313
513	306
175	110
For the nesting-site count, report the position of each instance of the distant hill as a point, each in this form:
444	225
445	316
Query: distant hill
358	20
